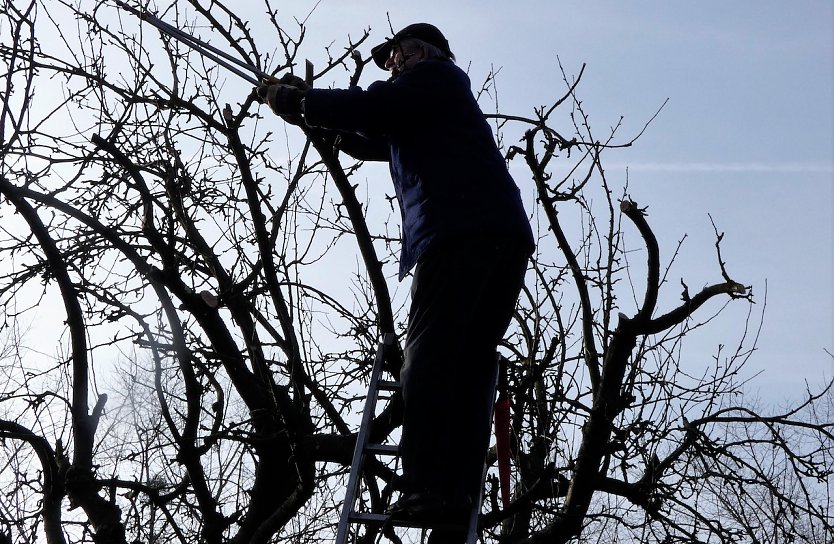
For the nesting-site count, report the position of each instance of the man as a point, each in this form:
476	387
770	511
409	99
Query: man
465	234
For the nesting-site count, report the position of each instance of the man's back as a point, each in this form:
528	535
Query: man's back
451	181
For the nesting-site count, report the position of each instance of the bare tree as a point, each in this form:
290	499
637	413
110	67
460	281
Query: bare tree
212	363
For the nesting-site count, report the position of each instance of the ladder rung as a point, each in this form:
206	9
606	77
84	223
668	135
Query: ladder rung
382	449
381	519
389	385
368	519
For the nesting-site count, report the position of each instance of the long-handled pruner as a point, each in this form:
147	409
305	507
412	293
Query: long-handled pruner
234	65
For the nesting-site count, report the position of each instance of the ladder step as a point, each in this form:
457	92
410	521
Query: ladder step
367	518
386	385
382	449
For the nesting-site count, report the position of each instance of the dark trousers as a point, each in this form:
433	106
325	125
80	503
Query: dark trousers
462	299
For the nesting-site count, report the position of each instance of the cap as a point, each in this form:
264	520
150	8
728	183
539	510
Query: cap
421	31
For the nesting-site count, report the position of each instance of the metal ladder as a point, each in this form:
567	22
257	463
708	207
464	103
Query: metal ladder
364	449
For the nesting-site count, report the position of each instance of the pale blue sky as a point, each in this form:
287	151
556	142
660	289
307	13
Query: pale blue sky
746	135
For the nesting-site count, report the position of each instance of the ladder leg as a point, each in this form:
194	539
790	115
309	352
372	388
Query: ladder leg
468	534
472	533
359	452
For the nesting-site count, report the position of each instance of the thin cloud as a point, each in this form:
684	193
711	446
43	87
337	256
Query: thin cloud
760	167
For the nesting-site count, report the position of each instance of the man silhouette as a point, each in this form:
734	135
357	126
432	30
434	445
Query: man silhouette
464	233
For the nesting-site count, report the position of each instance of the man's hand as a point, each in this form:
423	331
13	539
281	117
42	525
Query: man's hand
284	97
281	98
294	81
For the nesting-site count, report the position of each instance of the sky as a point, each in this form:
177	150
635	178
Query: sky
744	141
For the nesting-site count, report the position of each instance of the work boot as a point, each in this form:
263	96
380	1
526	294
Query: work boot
431	509
447	536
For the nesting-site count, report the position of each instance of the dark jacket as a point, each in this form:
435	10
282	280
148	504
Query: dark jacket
451	181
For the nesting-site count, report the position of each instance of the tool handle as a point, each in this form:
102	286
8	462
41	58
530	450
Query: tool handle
220	57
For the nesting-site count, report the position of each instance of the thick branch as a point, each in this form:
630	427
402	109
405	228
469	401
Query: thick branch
53	485
690	305
385	316
638	217
81	486
589	343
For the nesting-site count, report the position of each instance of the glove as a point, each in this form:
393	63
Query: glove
282	99
294	81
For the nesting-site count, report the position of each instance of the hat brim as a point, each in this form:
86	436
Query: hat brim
382	52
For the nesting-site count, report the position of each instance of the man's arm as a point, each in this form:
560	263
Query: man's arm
354	116
288	99
382	110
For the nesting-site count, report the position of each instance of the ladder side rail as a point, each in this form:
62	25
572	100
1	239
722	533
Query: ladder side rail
361	441
474	517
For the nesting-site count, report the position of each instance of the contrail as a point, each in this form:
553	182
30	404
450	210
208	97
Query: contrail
753	167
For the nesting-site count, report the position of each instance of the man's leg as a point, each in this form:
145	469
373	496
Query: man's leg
462	302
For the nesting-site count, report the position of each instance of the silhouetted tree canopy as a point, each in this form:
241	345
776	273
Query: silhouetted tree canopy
220	280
